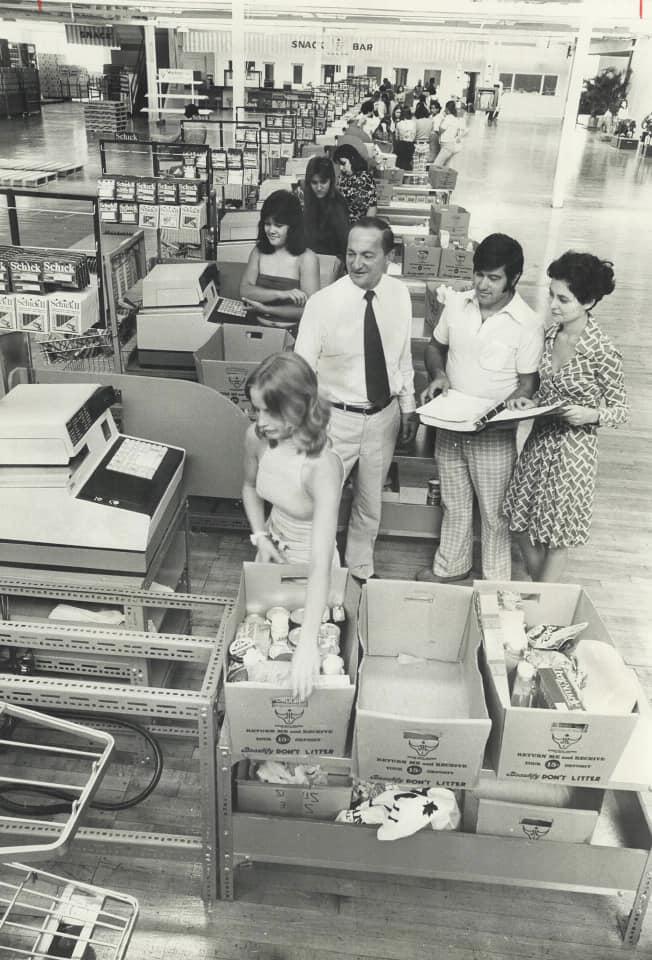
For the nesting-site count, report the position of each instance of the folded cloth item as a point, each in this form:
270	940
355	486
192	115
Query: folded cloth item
66	611
400	813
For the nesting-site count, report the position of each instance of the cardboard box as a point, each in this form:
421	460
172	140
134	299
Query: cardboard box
227	358
73	311
290	800
32	312
433	308
269	721
168	215
442	177
532	811
421	256
7	311
390	175
384	193
422	722
576	748
453	218
456	263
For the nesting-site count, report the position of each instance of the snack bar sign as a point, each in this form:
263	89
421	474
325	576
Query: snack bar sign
333	45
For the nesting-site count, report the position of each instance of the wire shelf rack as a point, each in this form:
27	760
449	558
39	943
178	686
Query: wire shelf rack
92	351
44	916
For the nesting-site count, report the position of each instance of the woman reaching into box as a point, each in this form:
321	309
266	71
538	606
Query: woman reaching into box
550	498
289	463
281	272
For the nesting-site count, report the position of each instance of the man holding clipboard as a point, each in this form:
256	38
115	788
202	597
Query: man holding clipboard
487	343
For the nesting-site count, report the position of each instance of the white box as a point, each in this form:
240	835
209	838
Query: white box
421	719
265	720
7	311
73	311
573	748
168	215
32	312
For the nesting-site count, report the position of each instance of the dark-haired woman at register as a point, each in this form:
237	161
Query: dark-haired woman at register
281	272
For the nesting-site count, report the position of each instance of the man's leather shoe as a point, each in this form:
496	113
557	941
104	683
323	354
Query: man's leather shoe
425	575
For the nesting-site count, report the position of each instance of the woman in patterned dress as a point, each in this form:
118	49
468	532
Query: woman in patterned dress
356	184
549	501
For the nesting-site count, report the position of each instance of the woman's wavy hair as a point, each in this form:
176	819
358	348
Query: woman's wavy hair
587	277
284	209
288	388
348	152
322	168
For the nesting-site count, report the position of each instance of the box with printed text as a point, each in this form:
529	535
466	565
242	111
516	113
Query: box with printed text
266	720
421	717
570	747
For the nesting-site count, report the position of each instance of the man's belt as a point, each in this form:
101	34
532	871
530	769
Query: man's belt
357	408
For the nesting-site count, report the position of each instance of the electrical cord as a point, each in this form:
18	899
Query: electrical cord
52	808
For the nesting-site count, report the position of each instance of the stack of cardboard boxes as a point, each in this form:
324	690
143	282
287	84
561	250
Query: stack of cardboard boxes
433	709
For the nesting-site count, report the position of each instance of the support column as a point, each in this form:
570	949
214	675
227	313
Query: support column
573	91
238	54
151	70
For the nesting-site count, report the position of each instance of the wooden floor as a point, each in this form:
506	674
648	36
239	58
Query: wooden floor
505	181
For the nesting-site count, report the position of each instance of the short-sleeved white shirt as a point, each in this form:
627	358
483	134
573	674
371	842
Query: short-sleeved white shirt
485	358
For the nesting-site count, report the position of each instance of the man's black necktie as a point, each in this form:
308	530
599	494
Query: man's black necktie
375	368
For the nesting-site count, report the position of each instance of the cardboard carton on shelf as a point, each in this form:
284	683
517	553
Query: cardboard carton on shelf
442	177
421	717
456	263
532	811
572	747
421	256
228	357
316	802
433	308
454	219
265	720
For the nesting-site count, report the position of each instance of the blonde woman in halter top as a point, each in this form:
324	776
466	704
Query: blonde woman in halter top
289	463
281	272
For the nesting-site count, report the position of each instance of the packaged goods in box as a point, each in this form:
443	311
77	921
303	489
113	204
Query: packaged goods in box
421	718
390	175
268	720
128	212
193	216
32	312
225	361
421	256
168	215
442	177
148	215
72	311
125	188
318	801
532	811
456	263
453	219
433	307
7	311
384	192
146	190
571	747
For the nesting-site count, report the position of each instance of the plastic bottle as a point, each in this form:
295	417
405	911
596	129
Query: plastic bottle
515	648
523	690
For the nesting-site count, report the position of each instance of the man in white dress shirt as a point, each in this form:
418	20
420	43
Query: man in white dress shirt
488	343
356	335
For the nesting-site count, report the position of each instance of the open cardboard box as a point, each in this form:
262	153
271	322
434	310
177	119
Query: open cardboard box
265	720
532	811
322	802
575	748
228	357
424	722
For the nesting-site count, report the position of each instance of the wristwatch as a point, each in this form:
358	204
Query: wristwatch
255	537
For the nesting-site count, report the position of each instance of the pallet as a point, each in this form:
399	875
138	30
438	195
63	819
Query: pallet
45	166
26	178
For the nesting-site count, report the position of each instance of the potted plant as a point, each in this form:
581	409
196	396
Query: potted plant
604	92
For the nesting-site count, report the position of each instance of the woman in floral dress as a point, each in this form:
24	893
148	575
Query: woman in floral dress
549	501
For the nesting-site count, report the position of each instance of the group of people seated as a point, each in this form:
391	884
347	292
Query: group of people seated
335	407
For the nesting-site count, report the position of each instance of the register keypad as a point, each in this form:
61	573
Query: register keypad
138	458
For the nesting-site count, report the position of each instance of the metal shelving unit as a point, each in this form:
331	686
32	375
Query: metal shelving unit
576	867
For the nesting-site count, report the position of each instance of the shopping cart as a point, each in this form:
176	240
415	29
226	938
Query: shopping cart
44	916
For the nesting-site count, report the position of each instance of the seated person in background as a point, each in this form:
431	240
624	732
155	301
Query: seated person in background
325	213
289	462
356	184
281	272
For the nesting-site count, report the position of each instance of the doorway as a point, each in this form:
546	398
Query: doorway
436	76
328	70
376	73
468	94
400	76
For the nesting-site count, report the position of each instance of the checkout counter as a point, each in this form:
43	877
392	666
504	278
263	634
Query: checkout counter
74	492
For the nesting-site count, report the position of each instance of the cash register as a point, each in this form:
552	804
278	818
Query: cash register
74	492
181	306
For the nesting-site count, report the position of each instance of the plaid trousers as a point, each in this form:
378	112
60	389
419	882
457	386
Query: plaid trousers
468	463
